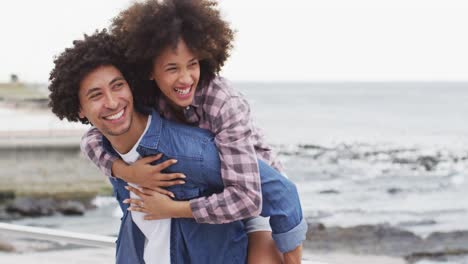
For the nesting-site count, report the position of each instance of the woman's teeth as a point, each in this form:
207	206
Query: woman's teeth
182	91
116	116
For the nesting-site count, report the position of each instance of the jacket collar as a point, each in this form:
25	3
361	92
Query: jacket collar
153	134
150	139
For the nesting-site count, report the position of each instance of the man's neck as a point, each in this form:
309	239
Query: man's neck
124	143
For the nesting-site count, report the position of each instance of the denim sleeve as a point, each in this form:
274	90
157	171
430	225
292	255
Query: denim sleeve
281	203
291	239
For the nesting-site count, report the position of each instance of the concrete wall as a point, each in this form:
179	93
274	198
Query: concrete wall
48	169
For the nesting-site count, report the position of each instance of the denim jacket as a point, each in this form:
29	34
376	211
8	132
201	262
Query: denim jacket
198	158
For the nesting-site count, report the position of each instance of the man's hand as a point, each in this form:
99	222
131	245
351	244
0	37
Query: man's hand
149	176
156	205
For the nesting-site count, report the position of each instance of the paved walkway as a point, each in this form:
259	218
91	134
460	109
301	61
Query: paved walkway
106	255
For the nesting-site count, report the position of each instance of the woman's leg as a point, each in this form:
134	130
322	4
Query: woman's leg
262	249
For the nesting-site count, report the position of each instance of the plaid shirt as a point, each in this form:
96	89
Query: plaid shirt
225	112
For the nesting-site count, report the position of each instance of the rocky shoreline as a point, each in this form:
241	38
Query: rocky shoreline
361	240
386	240
36	207
14	209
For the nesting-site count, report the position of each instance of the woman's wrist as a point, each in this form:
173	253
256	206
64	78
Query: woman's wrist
181	209
122	170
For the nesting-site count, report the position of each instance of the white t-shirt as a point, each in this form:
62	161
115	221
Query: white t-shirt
157	232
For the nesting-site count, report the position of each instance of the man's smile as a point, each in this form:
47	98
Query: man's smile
115	117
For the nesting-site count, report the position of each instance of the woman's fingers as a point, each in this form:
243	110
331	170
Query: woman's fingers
137	209
150	159
159	190
165	164
135	190
150	217
172	176
170	183
134	202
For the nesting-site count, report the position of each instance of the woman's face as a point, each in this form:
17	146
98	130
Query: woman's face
176	72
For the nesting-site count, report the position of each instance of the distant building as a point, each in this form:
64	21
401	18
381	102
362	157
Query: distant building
14	78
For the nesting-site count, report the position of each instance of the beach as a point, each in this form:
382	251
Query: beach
78	256
381	168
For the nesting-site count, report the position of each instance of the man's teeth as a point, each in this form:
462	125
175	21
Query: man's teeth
182	91
116	116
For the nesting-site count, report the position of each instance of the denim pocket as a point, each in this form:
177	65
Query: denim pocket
183	193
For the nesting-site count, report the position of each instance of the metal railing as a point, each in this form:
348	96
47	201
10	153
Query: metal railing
58	235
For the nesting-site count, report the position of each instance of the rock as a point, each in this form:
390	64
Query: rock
6	247
6	196
446	241
5	216
428	162
402	161
394	190
363	239
312	228
27	206
311	146
72	208
446	256
418	223
331	191
386	240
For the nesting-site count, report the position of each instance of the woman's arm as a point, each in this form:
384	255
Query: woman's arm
241	197
91	147
141	172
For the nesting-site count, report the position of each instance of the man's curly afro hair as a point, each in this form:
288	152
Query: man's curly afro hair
72	65
147	28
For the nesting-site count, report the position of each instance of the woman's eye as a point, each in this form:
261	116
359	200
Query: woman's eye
119	85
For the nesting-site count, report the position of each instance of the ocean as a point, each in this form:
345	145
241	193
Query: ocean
359	153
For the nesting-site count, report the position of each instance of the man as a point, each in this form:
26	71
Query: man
89	84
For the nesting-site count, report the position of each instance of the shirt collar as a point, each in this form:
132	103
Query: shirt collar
198	97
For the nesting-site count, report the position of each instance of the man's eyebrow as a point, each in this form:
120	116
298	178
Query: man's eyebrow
192	59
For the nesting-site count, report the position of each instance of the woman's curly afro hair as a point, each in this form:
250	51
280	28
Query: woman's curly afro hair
147	28
72	65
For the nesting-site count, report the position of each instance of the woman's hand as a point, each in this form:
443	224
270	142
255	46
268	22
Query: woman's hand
149	176
156	205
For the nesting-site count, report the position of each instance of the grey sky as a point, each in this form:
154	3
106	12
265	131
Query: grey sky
295	40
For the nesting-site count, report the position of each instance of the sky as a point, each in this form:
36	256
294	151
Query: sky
294	40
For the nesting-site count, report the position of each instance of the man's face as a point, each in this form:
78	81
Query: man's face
106	101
